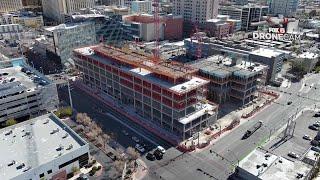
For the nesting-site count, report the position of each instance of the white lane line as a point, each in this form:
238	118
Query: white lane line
132	129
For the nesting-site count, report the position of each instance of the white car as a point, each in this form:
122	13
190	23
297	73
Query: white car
161	149
307	137
139	148
293	155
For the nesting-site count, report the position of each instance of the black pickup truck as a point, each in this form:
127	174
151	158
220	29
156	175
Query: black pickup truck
253	129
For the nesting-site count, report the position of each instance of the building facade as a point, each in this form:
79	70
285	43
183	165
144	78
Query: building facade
64	38
27	19
141	6
57	9
247	14
288	8
271	57
10	5
166	95
196	11
46	149
26	92
142	27
230	79
11	31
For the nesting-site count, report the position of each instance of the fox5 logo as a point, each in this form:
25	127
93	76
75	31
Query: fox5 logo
277	30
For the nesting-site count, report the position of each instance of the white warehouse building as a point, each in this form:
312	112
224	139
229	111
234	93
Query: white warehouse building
48	149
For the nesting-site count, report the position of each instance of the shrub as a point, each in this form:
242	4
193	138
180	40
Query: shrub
95	168
11	122
64	112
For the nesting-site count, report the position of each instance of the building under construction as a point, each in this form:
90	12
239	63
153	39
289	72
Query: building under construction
164	93
231	78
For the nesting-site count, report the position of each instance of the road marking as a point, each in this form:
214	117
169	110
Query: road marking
132	129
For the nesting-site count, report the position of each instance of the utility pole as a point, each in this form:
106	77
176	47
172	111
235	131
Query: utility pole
69	91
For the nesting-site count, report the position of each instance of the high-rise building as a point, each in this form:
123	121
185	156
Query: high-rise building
56	9
247	14
10	5
141	6
196	11
284	7
64	38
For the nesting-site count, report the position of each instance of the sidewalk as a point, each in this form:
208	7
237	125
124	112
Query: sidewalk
226	124
87	170
129	113
141	171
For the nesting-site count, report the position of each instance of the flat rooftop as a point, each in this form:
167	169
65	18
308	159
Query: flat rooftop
17	79
269	166
169	69
308	55
189	84
220	66
35	142
266	52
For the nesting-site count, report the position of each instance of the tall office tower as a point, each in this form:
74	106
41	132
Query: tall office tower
198	11
57	9
247	14
284	7
10	5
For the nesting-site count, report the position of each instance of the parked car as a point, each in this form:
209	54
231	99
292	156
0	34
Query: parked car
151	157
112	156
161	149
83	177
140	148
316	149
158	154
290	102
125	132
293	155
317	114
316	125
307	137
312	127
135	139
314	143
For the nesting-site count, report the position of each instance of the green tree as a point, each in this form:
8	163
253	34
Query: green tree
11	122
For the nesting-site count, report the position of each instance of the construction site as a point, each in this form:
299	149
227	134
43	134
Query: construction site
231	78
165	93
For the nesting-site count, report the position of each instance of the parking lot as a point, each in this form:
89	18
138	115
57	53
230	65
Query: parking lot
296	144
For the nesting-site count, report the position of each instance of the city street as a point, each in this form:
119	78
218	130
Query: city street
112	123
231	148
225	153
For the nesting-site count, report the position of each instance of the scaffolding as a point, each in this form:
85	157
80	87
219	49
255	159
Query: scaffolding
168	70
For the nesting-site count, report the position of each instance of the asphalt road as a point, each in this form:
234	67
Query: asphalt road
296	143
225	153
231	148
